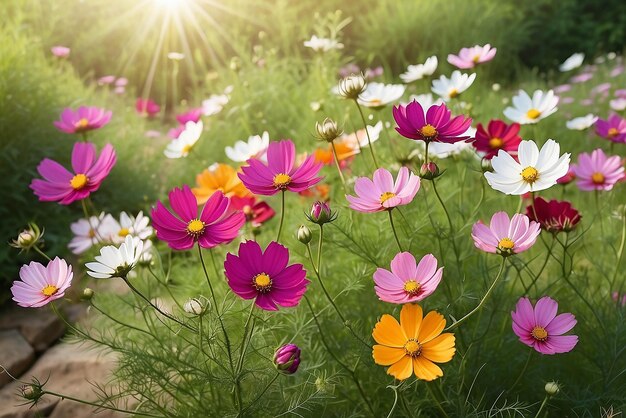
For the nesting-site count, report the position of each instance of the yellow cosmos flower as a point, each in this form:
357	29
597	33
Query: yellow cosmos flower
414	345
218	177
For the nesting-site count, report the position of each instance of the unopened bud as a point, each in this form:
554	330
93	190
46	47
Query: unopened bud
28	238
429	171
321	213
352	86
552	388
287	359
88	294
194	306
304	234
485	165
328	130
235	64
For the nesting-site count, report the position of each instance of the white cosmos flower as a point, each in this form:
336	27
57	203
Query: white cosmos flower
581	123
536	170
181	146
378	95
254	148
443	150
88	232
116	262
425	100
618	104
575	61
527	110
449	88
138	226
419	71
358	139
322	44
216	102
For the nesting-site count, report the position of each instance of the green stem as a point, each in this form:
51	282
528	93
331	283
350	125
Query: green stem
620	251
254	402
530	354
395	399
336	158
244	344
543	404
432	393
482	301
393	228
38	250
110	408
319	250
282	215
426	144
369	141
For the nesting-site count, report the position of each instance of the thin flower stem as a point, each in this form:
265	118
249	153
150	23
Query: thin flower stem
110	408
244	344
369	141
260	395
519	378
282	215
543	404
620	251
393	228
482	301
336	158
319	250
38	250
450	224
426	144
395	399
437	402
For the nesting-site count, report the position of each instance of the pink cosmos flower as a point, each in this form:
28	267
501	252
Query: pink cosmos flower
265	276
256	212
215	225
147	107
581	78
85	118
193	115
504	236
40	285
613	128
280	173
567	178
407	281
619	299
65	187
60	51
597	171
470	57
541	328
381	193
174	133
106	80
435	125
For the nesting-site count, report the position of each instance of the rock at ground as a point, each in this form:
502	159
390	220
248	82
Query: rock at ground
40	327
16	355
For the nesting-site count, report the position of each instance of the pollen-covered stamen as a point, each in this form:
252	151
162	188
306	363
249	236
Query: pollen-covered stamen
413	348
123	232
281	181
262	282
613	132
428	131
496	143
597	178
49	290
386	196
79	181
375	102
82	124
530	175
506	244
186	149
533	114
476	59
453	93
195	227
412	287
539	333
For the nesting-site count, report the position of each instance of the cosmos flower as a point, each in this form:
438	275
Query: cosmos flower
218	177
414	345
596	171
192	115
287	359
613	128
498	136
265	276
419	71
471	57
255	147
618	104
425	100
83	119
350	87
573	62
216	102
322	44
505	236
358	139
527	110
382	193
450	88
280	173
407	281
92	231
60	51
345	153
39	284
255	211
536	170
433	125
379	95
116	262
581	123
553	216
181	230
147	107
541	328
136	226
184	143
60	185
106	80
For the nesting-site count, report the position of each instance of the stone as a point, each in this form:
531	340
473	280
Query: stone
16	355
39	326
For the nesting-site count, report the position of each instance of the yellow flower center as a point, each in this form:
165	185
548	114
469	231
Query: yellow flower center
195	227
49	290
539	333
281	181
262	282
187	149
496	143
82	124
506	244
533	114
412	287
376	102
597	178
123	232
612	132
428	131
413	348
247	210
79	181
386	196
530	174
453	93
91	233
476	59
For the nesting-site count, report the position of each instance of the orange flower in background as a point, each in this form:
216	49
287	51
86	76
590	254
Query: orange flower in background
319	192
345	151
414	345
218	177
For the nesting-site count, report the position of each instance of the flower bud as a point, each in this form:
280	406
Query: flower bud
321	213
567	178
552	388
429	171
28	238
287	359
304	234
352	86
87	294
235	64
328	130
485	165
194	306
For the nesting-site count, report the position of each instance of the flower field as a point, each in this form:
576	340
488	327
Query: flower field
302	220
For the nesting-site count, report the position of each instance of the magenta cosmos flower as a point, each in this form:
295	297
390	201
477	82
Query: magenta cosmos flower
498	136
192	115
85	118
471	57
541	328
280	174
613	128
40	285
504	236
147	107
265	276
381	193
596	171
215	225
60	185
407	281
435	125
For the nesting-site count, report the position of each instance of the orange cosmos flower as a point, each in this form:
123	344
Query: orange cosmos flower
414	344
345	151
218	177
